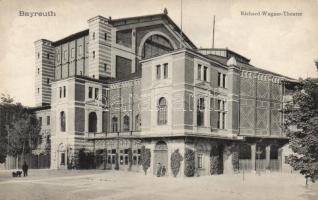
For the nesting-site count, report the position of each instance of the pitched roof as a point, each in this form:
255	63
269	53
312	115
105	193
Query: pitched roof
145	18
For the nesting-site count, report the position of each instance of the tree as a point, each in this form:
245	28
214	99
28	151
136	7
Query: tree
145	157
176	159
302	129
21	130
23	135
189	164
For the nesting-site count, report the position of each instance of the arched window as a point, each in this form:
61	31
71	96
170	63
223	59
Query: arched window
126	123
162	111
161	146
114	124
62	121
92	122
137	123
156	45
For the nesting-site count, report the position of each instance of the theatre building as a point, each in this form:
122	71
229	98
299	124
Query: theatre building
124	84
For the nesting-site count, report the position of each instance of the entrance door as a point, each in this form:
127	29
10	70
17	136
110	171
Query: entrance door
160	157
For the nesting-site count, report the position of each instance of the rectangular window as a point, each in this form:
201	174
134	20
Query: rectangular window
224	78
96	93
65	55
121	160
58	57
80	50
219	79
223	121
199	71
105	67
38	90
200	161
38	70
158	72
205	73
105	36
40	121
64	91
219	120
165	70
72	53
90	92
93	54
48	120
60	92
62	158
200	112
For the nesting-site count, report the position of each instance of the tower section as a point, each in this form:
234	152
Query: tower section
44	71
99	47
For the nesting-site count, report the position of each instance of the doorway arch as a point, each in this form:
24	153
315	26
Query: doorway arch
160	156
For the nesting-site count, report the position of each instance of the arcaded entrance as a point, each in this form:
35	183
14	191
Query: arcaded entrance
160	156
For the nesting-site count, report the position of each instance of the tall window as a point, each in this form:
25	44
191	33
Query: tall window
62	121
158	72
162	111
80	50
48	120
126	123
221	114
65	55
114	124
60	92
105	36
64	91
137	122
200	161
199	71
224	78
40	121
93	35
90	92
96	93
93	54
72	53
219	79
205	73
200	112
92	122
165	70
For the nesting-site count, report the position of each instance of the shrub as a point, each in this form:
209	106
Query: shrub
145	156
176	159
216	160
189	167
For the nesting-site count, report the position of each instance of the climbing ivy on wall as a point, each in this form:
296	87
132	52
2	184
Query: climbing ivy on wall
189	164
176	159
216	159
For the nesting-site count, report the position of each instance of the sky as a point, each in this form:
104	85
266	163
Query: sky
283	44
